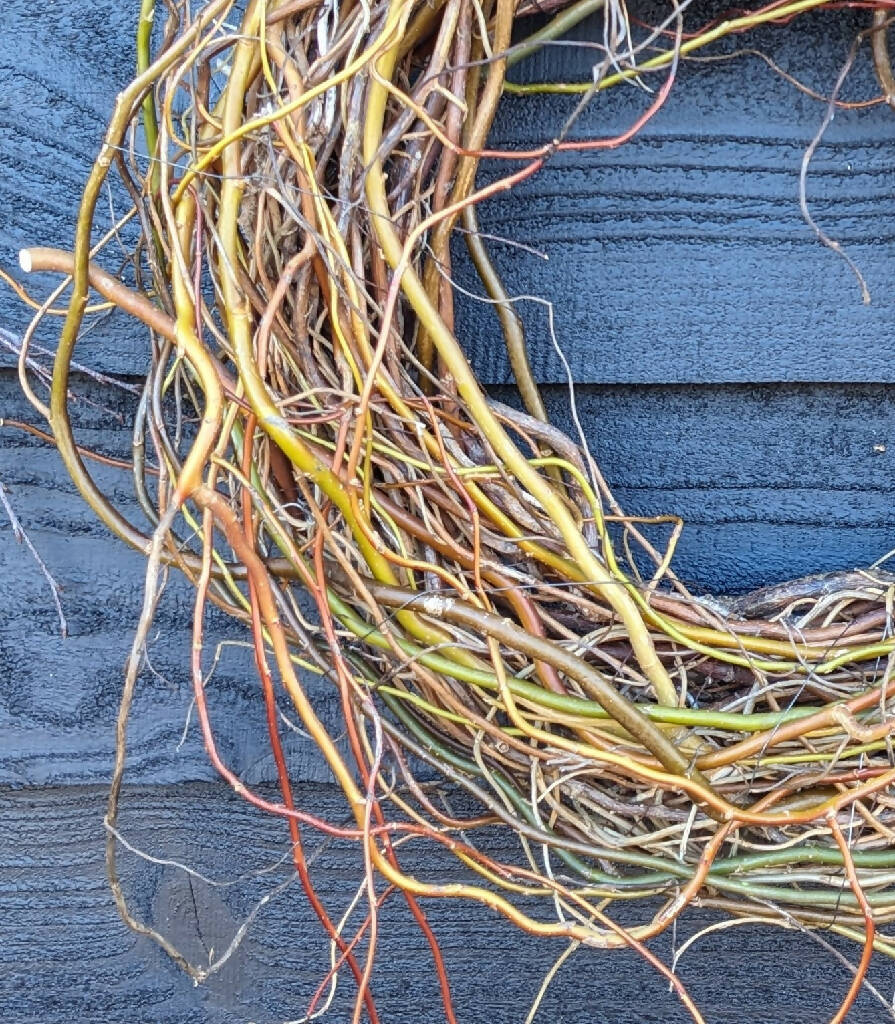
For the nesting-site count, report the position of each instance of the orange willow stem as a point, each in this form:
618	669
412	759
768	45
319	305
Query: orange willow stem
870	928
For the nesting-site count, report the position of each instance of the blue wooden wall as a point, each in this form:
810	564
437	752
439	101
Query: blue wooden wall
726	370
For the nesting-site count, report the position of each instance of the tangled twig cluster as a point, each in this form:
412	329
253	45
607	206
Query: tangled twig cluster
310	425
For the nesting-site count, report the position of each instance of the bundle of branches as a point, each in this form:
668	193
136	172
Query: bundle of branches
481	602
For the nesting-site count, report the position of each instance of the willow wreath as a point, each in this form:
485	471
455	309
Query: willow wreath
480	600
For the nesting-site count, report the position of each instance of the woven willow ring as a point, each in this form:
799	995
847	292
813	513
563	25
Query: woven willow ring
316	439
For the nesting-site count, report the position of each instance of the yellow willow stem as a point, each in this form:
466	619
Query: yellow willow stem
59	422
189	344
150	119
455	361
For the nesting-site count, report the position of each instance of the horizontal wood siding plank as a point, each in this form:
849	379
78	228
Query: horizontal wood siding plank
62	65
773	482
813	438
680	257
66	955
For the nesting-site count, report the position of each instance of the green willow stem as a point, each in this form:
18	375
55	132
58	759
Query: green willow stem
510	321
661	870
144	60
603	692
697	718
563	22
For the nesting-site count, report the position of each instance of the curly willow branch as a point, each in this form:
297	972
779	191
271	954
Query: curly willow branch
478	609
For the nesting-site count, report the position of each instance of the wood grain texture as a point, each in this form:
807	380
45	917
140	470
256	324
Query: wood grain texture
682	256
62	65
65	954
